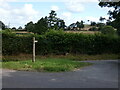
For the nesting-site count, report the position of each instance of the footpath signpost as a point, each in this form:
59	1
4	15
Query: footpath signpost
34	41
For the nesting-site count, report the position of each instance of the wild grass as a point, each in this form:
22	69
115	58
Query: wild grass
45	65
80	57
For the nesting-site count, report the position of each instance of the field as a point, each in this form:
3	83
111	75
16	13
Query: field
85	32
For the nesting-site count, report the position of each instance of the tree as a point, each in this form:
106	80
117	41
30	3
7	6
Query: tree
93	28
41	26
93	23
52	19
19	28
100	25
13	28
109	30
54	22
29	26
81	24
115	14
2	25
102	19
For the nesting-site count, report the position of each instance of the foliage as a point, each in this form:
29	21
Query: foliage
49	65
109	30
114	14
29	27
76	26
93	29
102	19
58	42
44	24
93	24
54	22
2	25
20	28
100	25
41	26
80	24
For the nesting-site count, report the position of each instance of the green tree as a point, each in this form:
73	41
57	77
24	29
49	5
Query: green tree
115	14
81	24
2	25
100	25
41	26
54	22
29	27
52	19
13	28
102	19
93	23
108	30
20	28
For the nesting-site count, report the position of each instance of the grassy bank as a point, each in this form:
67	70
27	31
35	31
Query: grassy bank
80	57
44	65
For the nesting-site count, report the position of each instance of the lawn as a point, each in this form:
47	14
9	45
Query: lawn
45	65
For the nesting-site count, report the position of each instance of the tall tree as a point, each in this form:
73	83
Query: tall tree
54	22
52	19
2	25
29	26
41	26
81	24
19	28
93	23
115	14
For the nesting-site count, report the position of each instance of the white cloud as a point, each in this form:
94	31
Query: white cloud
51	0
69	18
55	8
75	6
18	16
66	14
4	4
91	18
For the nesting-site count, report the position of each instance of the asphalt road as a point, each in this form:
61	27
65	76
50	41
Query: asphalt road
102	74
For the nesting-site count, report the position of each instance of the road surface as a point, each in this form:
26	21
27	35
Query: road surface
102	74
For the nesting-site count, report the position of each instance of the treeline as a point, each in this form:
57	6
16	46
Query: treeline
58	42
46	23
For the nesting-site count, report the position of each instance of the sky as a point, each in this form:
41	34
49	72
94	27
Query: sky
15	13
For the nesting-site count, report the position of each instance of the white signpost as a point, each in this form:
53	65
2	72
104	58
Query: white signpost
34	41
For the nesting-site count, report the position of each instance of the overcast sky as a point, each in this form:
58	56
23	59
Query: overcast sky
20	12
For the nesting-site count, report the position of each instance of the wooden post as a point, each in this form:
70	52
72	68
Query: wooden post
33	59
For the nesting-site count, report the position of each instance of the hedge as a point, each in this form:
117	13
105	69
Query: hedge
57	42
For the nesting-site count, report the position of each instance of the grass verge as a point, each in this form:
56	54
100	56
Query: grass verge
45	65
80	57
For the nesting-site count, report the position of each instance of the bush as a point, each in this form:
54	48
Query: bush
108	30
93	29
58	42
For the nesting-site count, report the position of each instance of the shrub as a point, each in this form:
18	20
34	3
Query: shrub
93	29
108	30
58	42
